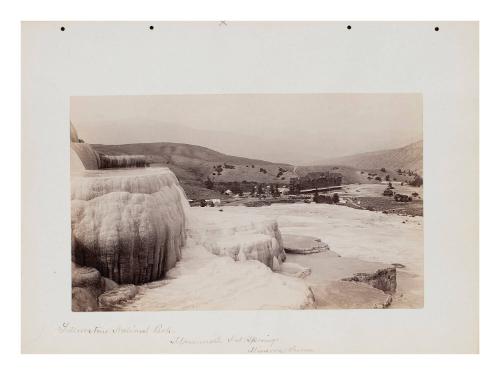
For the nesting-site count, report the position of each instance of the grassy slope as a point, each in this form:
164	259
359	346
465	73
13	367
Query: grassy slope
351	175
193	164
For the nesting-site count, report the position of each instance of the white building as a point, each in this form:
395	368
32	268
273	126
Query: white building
283	190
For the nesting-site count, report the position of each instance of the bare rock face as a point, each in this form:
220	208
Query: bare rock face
85	277
298	244
118	295
83	300
108	284
91	292
383	279
86	287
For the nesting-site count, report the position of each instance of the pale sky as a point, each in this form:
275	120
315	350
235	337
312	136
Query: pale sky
289	128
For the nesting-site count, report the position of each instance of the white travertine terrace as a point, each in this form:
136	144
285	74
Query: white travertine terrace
129	224
242	237
133	226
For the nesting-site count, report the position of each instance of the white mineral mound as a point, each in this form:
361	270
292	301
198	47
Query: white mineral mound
87	156
204	281
129	224
76	163
73	134
241	237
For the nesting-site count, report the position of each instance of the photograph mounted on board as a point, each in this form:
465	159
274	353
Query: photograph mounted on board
247	202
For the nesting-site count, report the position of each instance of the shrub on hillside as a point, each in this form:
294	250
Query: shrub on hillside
209	183
417	181
316	197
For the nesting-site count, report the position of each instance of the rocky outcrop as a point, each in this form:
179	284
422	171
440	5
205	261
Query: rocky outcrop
83	300
108	284
91	292
383	279
298	244
117	295
85	277
339	282
86	287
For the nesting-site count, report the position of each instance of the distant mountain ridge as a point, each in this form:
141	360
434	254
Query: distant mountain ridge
407	157
168	150
251	147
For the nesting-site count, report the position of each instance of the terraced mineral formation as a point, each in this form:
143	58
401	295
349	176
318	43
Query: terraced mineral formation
299	244
128	224
122	161
241	237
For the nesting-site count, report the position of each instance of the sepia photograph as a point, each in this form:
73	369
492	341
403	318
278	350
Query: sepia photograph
250	187
247	202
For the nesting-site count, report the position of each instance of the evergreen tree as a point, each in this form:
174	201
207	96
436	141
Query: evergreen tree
316	196
209	183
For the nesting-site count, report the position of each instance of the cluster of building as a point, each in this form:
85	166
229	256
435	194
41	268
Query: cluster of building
261	190
308	184
315	180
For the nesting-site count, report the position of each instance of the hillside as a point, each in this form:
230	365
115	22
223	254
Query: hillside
351	175
193	164
407	157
